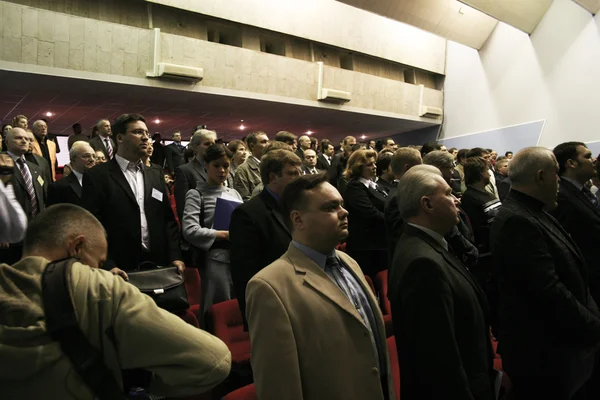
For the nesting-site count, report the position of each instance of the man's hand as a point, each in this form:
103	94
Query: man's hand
120	272
179	264
6	167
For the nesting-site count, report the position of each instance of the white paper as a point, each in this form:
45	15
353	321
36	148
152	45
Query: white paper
157	194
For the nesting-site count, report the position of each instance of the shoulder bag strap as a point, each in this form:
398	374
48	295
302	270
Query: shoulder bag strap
62	326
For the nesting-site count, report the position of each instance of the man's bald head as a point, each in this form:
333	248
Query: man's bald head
534	171
66	230
17	141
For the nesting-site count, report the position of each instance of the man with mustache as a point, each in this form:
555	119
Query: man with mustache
131	202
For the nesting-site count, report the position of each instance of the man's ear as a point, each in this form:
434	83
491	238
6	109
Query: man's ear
425	203
75	245
296	218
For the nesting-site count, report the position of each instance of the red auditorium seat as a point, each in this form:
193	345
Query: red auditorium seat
370	282
193	287
190	318
391	344
248	392
224	320
381	284
174	208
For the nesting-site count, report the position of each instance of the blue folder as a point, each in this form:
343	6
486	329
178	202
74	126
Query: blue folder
223	210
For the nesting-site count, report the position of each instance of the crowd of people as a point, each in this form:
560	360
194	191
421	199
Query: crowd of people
477	248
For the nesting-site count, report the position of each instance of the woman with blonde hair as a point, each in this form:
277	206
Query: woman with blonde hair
365	202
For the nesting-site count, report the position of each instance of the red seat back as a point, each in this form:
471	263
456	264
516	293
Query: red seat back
391	344
381	284
224	320
370	282
174	208
247	392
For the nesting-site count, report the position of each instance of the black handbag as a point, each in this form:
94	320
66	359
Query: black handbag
164	284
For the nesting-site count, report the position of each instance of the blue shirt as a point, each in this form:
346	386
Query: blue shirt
352	289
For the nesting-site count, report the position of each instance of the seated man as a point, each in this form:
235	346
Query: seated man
439	311
127	327
315	326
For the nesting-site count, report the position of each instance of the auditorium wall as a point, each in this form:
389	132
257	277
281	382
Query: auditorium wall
516	79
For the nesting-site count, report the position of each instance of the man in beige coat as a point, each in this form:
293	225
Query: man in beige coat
315	326
128	329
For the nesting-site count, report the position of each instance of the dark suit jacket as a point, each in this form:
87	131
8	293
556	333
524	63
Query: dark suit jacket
366	220
548	322
43	164
173	157
21	190
107	194
259	236
387	187
581	219
503	186
336	169
65	190
305	170
97	143
440	317
322	162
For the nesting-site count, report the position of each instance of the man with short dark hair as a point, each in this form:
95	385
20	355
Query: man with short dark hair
310	162
77	136
126	327
103	142
68	189
258	232
502	179
132	203
549	325
287	138
439	311
325	157
313	285
248	175
339	161
385	175
174	153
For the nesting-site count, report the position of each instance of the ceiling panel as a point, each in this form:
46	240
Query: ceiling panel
592	6
85	102
522	14
447	18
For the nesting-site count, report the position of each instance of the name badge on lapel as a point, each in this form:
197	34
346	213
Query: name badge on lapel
157	194
40	180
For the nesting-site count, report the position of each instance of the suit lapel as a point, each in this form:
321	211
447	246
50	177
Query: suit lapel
272	205
200	169
19	177
558	231
74	184
318	280
117	175
579	195
37	187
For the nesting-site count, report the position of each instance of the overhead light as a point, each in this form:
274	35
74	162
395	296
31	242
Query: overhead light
242	127
157	121
309	132
49	114
363	137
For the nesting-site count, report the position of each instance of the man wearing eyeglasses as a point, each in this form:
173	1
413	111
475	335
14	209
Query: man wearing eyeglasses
131	201
68	189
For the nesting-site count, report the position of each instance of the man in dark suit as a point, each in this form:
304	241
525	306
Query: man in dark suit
303	145
174	153
77	136
310	163
103	142
339	161
38	160
440	313
579	214
325	156
68	189
187	175
549	325
131	202
258	231
29	186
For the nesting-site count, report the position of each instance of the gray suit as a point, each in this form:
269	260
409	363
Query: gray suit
97	143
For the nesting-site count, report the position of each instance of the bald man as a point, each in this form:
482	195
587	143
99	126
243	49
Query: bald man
68	189
549	325
44	147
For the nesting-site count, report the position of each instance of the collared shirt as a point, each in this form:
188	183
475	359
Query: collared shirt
368	183
578	185
360	300
15	158
438	238
256	159
272	193
79	177
135	178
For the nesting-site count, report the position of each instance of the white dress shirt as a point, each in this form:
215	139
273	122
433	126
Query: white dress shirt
79	177
368	183
135	178
12	217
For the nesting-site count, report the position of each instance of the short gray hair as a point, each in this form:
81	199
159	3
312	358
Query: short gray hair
420	180
439	159
76	147
523	167
37	122
200	135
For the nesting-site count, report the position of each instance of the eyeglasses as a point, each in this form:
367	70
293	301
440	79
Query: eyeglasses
140	132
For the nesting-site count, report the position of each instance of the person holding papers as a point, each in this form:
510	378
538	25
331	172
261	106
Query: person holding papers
205	225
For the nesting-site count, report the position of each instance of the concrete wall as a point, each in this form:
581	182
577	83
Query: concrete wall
40	37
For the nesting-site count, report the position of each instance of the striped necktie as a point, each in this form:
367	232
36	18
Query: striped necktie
109	149
29	185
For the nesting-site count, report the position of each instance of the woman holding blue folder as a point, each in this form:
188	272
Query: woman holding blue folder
205	226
